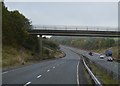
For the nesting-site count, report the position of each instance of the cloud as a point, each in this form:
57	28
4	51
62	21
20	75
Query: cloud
69	13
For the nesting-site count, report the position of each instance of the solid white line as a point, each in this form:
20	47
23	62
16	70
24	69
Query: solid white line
78	72
27	83
54	67
48	70
39	76
10	71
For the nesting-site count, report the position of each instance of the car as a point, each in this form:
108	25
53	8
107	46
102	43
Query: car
102	56
109	58
90	53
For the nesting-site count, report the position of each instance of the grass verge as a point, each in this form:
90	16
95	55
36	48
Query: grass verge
104	77
13	57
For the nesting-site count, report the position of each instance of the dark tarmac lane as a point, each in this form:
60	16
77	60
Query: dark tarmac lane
67	70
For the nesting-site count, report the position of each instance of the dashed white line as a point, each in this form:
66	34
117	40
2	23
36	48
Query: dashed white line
39	76
48	70
27	83
5	72
54	67
77	72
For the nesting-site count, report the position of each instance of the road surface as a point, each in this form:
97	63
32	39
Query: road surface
67	70
112	67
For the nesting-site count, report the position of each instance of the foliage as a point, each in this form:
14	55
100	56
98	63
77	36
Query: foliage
14	30
90	43
50	44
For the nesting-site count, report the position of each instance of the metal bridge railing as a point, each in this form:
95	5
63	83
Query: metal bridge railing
87	28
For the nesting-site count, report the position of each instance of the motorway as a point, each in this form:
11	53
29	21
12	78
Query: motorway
67	70
111	67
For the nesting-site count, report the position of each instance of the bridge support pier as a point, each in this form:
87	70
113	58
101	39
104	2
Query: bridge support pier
41	46
40	43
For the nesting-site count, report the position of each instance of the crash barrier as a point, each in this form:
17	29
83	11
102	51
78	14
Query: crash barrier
96	81
114	75
93	77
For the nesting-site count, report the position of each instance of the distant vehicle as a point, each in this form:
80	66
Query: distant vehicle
102	56
108	53
109	58
90	53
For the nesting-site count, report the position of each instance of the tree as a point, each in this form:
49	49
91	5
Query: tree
14	30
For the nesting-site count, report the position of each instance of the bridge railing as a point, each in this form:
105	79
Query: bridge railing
86	28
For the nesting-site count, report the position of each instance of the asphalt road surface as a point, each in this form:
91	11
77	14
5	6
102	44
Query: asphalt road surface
67	70
113	67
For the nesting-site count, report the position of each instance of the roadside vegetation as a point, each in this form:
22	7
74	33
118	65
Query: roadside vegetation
99	45
103	76
0	47
115	50
19	47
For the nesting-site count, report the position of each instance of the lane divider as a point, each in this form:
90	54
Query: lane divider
27	83
39	76
97	82
48	70
53	67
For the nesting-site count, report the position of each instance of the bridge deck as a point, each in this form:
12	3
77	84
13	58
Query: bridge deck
75	33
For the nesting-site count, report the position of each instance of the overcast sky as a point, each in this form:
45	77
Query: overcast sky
68	13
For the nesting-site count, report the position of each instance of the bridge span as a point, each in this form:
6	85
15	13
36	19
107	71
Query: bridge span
75	31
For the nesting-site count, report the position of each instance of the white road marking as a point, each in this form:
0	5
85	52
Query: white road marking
5	72
27	83
54	67
10	71
39	76
48	70
78	72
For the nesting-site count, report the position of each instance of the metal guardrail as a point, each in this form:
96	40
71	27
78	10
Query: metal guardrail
97	82
63	27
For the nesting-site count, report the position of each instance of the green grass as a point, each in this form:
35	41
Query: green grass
115	50
103	76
